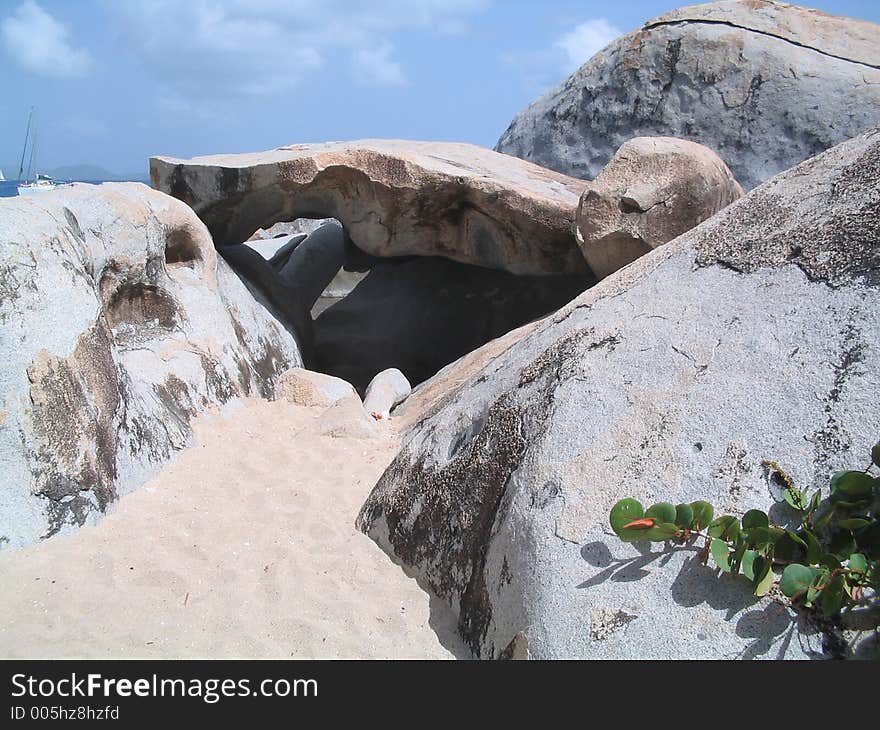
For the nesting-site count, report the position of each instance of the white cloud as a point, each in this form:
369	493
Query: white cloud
211	49
375	66
41	44
585	41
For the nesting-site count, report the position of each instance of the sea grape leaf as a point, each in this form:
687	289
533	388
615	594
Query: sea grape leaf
796	580
736	557
814	549
624	512
763	575
755	518
825	518
719	551
833	596
858	563
815	501
662	531
854	523
852	483
662	512
726	527
703	513
684	515
748	564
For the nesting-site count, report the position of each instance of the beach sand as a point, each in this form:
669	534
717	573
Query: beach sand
244	546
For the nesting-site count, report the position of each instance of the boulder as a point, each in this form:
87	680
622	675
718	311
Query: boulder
346	418
754	336
308	388
765	85
394	198
386	390
312	265
119	325
652	190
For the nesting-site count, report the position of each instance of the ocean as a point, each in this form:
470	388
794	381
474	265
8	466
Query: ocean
9	188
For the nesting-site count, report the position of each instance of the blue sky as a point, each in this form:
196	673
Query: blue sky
115	81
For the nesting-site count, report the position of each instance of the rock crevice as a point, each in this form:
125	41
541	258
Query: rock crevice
769	34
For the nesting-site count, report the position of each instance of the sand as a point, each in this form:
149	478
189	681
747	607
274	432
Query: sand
244	546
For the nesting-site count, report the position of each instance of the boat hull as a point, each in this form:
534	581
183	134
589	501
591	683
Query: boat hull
34	189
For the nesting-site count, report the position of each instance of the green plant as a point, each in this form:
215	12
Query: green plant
830	559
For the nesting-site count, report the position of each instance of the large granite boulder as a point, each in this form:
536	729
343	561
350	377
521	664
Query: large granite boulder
652	190
393	197
766	85
119	325
754	336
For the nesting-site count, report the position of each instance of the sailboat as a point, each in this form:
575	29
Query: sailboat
2	177
33	182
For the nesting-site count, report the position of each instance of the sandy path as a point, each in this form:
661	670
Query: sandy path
245	546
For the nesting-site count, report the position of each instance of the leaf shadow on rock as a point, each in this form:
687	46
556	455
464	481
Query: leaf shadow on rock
769	626
697	583
766	625
621	570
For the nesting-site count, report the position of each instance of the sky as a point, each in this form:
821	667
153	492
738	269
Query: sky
115	81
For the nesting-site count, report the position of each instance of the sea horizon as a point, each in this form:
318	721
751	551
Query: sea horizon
9	188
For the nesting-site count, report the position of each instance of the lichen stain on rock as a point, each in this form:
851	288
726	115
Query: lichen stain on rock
220	386
769	231
243	374
15	277
174	395
562	353
605	622
140	304
268	366
443	517
74	402
267	363
735	469
73	225
832	438
181	249
180	189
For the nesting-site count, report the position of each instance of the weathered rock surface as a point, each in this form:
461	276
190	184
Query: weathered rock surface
308	388
766	85
653	190
754	336
119	324
388	389
346	418
394	198
423	313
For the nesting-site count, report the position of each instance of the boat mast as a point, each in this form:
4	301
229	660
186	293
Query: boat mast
31	164
24	149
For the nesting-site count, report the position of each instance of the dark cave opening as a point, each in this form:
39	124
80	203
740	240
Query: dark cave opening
355	314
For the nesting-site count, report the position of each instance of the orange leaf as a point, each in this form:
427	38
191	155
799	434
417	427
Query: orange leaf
645	522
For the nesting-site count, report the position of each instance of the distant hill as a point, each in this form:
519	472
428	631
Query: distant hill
83	173
93	172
